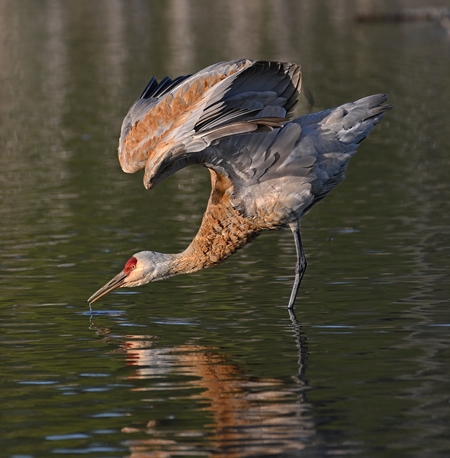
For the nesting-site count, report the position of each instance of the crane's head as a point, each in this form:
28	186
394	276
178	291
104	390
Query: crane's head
141	268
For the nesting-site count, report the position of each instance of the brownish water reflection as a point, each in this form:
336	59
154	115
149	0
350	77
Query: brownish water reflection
247	415
250	415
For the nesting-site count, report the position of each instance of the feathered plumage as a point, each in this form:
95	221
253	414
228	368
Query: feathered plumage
266	171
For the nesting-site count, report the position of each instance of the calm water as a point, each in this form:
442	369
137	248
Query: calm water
211	363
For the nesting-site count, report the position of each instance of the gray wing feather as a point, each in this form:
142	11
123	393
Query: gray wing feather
249	93
306	158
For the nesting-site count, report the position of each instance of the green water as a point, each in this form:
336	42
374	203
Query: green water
211	363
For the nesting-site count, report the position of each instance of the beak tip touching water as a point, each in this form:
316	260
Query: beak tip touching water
116	282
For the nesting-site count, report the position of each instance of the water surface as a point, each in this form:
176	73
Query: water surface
212	363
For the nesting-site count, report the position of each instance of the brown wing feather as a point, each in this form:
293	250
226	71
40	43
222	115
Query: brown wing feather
219	96
157	116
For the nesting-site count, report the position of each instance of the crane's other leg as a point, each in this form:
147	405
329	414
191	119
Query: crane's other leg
300	267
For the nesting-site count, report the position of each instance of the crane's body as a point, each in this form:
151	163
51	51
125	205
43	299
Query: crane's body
266	171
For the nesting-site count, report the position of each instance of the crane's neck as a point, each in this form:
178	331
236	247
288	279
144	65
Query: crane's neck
223	231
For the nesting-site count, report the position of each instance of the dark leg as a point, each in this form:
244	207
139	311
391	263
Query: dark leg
300	267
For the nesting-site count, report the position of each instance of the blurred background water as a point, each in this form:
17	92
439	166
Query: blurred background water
211	363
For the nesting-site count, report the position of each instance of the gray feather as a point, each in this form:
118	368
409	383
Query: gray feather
311	151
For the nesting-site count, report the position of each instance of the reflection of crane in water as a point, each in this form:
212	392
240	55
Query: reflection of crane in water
248	415
266	172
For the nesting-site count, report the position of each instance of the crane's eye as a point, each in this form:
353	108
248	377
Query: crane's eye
130	265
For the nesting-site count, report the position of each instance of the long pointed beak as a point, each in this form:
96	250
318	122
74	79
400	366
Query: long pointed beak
116	282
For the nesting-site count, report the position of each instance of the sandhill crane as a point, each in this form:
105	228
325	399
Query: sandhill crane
266	171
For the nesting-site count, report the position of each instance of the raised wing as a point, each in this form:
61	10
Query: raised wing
177	117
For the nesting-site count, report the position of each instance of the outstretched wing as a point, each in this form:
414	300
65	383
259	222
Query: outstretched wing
177	117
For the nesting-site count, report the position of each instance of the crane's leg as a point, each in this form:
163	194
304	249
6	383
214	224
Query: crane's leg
300	267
